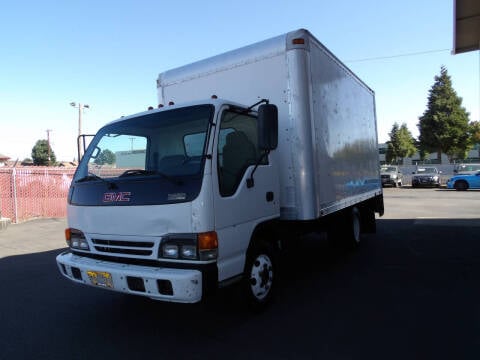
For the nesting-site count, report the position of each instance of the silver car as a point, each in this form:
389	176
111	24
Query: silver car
391	176
426	176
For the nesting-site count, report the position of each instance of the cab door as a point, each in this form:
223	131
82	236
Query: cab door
239	207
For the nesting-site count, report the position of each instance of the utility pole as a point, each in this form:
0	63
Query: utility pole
48	145
80	111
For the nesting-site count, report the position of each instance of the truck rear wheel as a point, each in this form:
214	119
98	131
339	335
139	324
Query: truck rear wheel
345	229
259	275
354	228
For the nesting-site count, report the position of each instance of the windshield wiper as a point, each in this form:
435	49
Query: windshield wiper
92	176
140	172
135	172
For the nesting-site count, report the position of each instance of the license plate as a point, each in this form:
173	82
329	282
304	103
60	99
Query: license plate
101	278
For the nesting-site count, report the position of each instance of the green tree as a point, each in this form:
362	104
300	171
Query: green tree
401	144
444	124
475	134
105	157
40	154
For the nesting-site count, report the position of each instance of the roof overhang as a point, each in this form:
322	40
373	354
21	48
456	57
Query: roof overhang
466	35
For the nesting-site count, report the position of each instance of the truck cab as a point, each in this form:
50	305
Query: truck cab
164	203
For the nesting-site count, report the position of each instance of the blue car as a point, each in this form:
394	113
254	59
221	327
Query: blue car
464	182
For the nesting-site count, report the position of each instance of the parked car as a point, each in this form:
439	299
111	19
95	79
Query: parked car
391	175
464	169
426	176
464	182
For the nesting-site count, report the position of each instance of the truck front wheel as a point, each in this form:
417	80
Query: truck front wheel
259	276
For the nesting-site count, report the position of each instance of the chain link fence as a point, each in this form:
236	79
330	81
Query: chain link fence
31	192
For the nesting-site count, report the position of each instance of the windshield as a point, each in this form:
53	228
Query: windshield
388	169
427	170
169	143
151	159
468	168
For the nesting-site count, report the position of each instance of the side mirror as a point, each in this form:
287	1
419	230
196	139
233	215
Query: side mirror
267	127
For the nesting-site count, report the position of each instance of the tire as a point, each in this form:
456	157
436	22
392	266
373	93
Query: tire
461	185
260	276
400	184
354	229
345	229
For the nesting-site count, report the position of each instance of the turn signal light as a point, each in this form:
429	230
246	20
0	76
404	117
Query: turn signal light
207	241
68	235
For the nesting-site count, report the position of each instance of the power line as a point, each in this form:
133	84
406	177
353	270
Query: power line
398	55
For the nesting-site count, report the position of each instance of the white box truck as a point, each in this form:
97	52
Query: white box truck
249	149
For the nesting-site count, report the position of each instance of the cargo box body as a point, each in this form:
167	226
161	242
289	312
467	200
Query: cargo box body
327	144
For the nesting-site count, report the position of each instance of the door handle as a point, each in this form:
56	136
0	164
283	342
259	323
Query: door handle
269	196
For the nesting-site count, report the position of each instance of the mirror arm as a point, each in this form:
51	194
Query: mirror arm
250	180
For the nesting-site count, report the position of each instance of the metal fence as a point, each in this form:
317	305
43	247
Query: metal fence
30	192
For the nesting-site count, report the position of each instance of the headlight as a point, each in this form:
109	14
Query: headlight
76	239
203	246
170	251
189	252
435	178
394	176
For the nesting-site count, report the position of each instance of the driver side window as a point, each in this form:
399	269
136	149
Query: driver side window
237	149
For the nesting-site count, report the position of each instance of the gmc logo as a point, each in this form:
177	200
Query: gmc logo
117	196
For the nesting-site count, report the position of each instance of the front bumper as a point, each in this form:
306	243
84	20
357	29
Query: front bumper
159	283
425	182
389	181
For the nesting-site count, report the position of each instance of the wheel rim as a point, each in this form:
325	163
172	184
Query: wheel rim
261	277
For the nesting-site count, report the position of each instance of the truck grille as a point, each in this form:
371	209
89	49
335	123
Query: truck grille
141	248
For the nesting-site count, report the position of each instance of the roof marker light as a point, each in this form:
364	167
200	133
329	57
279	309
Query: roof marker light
170	103
214	96
150	108
160	106
298	41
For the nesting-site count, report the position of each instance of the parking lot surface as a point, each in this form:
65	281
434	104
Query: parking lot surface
410	292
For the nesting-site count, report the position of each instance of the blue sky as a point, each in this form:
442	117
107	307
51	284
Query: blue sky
108	54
